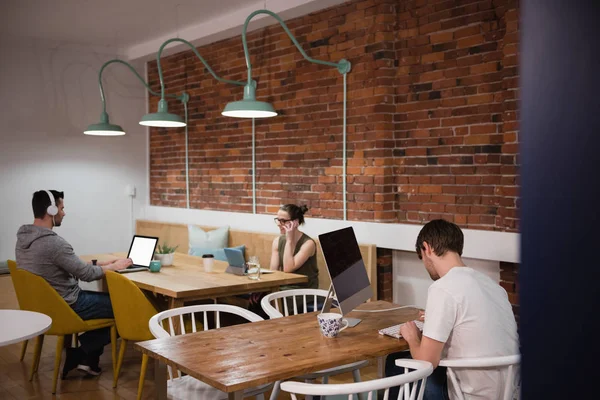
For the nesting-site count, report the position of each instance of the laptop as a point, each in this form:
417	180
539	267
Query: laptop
141	252
237	263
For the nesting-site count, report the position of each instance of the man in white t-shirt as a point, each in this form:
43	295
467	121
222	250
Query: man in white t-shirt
467	315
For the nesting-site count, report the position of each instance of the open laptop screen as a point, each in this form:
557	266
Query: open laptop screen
142	249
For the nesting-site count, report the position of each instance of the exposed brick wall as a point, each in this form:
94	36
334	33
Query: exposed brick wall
456	129
432	116
385	283
509	280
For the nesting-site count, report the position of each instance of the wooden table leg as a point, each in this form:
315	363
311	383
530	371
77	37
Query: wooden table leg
175	303
239	395
160	379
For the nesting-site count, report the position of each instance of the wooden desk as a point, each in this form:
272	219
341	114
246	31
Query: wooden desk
238	357
186	280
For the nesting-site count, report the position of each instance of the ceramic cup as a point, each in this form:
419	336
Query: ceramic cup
331	324
208	262
155	266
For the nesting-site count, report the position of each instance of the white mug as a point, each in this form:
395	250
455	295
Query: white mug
331	324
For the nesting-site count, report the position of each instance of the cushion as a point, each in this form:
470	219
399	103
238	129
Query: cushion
215	239
218	253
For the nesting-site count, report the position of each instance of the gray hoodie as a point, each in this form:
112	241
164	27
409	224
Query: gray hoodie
44	253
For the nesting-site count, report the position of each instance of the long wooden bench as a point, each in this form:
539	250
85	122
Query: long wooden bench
257	244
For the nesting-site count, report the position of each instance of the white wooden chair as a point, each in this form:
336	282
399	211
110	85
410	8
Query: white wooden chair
171	322
270	305
511	387
412	384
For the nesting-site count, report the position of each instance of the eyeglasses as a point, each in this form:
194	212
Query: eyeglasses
281	221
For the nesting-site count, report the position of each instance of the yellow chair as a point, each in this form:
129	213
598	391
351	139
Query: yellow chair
132	313
39	296
12	267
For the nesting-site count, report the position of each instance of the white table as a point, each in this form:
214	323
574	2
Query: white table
19	325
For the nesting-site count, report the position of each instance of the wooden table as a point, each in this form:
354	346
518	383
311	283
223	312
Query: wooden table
186	280
19	325
235	358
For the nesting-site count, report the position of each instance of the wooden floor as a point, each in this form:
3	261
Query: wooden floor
14	374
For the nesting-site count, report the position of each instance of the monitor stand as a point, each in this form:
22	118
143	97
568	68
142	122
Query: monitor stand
327	307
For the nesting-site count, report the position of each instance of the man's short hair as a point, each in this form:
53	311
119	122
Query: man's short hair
41	201
442	236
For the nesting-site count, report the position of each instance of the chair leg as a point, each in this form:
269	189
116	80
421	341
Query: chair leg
23	350
59	348
325	381
275	391
260	396
37	354
119	362
142	375
309	397
356	376
113	346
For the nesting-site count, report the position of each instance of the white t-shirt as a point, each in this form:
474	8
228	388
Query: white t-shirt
471	314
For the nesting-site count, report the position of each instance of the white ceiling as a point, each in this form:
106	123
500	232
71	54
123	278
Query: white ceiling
119	23
136	26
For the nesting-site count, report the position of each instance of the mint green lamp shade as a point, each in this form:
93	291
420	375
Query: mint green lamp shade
249	107
162	118
104	128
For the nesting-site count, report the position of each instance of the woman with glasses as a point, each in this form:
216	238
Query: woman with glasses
294	251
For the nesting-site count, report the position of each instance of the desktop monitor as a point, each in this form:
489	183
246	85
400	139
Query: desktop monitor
346	269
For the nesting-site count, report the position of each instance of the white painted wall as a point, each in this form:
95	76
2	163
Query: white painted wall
484	245
48	95
411	280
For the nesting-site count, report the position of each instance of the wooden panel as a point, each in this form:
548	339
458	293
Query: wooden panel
277	349
257	244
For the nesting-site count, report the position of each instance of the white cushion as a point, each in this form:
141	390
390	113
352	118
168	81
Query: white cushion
215	239
186	388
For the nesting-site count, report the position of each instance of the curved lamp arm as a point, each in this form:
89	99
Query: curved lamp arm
106	64
160	74
343	66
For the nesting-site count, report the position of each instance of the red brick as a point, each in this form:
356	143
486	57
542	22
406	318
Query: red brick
401	141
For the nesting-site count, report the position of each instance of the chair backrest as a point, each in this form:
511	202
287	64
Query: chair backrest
172	322
510	363
131	307
12	268
307	297
174	318
36	294
412	384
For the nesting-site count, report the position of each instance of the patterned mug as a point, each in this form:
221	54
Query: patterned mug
331	324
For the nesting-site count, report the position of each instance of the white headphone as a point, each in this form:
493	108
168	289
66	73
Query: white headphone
52	209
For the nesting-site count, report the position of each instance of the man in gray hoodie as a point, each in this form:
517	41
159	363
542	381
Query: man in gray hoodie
41	251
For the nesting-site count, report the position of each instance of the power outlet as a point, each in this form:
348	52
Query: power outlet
130	190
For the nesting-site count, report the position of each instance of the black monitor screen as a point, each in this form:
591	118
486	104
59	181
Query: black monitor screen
346	268
340	250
